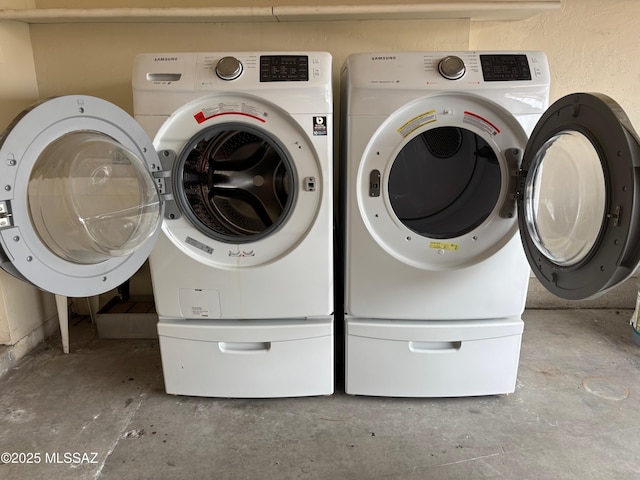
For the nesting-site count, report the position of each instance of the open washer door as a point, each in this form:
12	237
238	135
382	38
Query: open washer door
578	208
79	207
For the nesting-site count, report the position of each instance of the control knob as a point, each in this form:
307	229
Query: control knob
228	68
452	67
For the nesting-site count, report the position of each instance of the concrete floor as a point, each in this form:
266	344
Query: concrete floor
574	415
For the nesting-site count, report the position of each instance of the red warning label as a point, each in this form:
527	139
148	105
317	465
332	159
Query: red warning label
219	109
481	123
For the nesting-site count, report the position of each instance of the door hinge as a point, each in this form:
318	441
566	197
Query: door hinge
521	176
513	156
163	176
615	216
6	218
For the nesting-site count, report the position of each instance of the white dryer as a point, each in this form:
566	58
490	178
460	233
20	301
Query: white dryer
234	197
436	183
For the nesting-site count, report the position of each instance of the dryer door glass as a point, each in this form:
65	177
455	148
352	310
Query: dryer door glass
235	183
90	198
579	215
565	198
444	182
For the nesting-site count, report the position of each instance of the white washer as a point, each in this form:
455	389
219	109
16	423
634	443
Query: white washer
434	190
243	279
238	180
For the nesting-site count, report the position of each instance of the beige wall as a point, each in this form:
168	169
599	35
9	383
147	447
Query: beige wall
74	58
18	86
592	45
22	307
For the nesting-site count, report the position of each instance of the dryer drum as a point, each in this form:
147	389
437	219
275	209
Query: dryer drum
443	142
237	184
444	182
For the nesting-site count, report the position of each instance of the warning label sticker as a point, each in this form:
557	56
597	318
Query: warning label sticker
417	122
222	108
481	123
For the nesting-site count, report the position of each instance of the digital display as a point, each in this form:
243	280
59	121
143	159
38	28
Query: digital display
284	68
505	68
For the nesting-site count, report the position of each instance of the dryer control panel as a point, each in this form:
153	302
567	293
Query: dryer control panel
445	70
505	67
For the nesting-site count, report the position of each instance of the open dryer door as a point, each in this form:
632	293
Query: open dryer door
578	208
79	207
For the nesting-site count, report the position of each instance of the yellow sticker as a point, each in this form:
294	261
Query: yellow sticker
444	246
417	122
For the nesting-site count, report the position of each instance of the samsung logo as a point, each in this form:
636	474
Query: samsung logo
165	59
392	57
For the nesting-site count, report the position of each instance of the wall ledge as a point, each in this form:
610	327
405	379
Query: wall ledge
453	9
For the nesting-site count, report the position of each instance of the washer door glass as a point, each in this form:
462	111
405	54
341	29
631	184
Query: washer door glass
444	182
80	211
91	199
235	183
579	216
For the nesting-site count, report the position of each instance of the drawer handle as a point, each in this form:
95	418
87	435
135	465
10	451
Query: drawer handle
434	347
244	347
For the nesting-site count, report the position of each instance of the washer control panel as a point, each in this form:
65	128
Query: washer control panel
284	68
185	72
273	68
